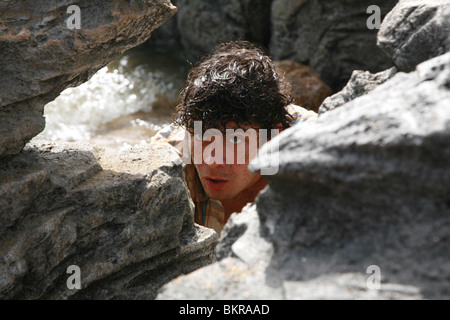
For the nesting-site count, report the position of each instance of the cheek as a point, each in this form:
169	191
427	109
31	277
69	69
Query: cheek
197	148
242	175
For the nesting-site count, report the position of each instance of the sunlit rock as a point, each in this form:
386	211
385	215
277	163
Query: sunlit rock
125	219
40	55
415	31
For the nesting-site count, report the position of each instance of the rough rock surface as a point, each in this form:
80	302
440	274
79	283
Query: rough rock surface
330	36
308	89
365	185
40	56
415	31
200	25
125	219
361	83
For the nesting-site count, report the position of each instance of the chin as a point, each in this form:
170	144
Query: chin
220	196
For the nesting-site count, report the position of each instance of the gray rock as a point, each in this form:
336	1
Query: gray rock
361	83
236	235
125	219
330	36
40	56
415	31
228	279
365	186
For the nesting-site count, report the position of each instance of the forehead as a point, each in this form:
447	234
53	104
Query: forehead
233	126
245	126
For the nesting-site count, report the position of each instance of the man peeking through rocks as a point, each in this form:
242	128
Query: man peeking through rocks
234	101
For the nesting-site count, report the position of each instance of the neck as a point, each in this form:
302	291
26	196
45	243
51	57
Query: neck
237	203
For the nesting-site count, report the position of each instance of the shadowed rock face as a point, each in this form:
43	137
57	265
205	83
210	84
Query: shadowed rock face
200	25
125	219
367	184
40	56
330	36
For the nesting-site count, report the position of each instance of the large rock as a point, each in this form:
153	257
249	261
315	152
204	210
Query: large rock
40	56
330	36
126	220
364	189
415	31
200	24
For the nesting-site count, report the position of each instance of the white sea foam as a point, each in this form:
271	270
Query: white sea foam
114	92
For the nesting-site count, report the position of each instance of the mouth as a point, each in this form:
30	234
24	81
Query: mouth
216	179
216	182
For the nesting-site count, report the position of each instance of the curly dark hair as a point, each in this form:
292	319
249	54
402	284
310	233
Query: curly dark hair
237	82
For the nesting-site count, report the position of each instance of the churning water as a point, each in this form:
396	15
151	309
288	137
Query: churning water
124	103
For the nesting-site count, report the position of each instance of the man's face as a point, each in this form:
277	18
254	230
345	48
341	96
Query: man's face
226	180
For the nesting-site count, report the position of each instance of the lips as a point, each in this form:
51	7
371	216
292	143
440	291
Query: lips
215	183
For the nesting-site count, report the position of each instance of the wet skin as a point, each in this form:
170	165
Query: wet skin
230	181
